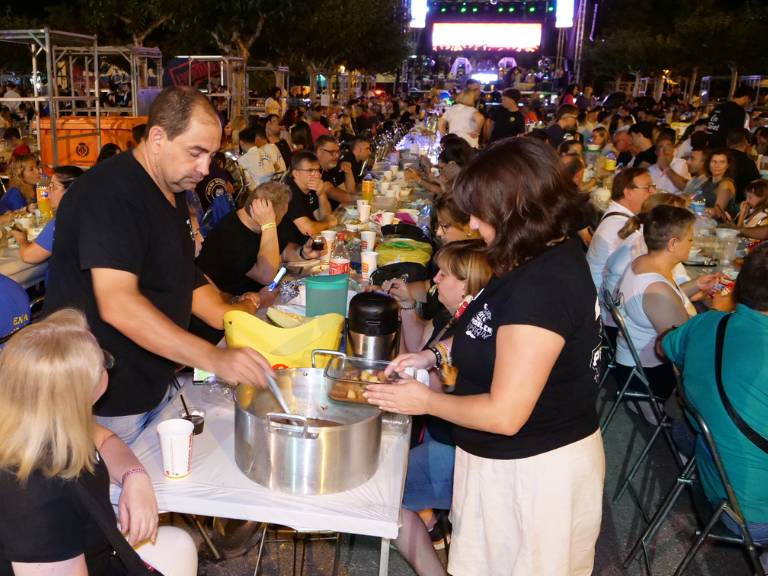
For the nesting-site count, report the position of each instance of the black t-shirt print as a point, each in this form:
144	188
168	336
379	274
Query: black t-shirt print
723	119
45	521
506	123
116	217
301	206
553	291
230	250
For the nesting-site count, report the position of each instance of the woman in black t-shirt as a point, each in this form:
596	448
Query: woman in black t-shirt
529	459
53	371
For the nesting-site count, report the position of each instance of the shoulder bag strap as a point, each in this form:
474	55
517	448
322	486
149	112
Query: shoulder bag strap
131	560
756	438
609	214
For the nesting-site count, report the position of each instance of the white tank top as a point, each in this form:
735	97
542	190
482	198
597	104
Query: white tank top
632	288
461	122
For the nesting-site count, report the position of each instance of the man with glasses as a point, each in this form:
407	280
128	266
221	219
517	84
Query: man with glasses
566	122
309	211
630	189
338	182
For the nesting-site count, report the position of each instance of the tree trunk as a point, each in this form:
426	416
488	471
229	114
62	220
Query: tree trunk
734	79
692	86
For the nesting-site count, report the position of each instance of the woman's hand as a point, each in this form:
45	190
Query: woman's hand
137	509
21	237
743	208
706	281
398	289
416	360
406	396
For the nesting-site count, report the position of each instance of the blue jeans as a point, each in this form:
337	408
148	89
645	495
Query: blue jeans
429	482
128	428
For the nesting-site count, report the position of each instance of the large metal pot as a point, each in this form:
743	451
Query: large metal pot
301	453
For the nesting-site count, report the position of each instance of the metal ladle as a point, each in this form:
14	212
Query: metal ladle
277	393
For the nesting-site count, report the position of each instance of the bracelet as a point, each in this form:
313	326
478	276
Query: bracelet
301	252
131	471
268	226
411	307
438	356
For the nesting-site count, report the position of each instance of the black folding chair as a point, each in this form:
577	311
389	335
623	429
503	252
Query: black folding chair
708	515
663	423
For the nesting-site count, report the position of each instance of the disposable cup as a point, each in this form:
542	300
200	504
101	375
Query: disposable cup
362	202
393	191
330	238
384	186
365	213
368	261
367	240
176	446
387	218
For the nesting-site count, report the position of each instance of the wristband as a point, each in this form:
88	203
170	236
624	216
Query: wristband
444	352
438	356
301	253
411	307
268	226
131	471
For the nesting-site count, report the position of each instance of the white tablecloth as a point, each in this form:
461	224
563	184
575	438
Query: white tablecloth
14	267
217	487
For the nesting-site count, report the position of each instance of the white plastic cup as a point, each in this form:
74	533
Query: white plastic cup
365	213
330	238
368	263
383	187
394	191
368	240
362	202
387	218
176	446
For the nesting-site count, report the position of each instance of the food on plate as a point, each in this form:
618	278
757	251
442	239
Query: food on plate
285	319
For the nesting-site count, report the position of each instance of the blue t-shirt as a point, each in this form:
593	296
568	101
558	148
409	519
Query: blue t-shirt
12	200
14	306
745	379
45	239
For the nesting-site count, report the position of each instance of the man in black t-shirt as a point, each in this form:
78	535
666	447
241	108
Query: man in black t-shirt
505	120
242	253
338	184
566	122
273	129
309	211
357	157
124	254
642	143
729	116
744	168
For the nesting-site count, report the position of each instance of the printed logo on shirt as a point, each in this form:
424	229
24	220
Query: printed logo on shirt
594	363
478	326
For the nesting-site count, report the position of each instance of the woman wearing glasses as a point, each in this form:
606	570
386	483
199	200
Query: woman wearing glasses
54	459
41	248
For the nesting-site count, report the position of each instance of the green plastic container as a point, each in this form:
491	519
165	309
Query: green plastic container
326	294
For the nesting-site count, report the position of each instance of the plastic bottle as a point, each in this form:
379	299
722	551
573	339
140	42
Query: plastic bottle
42	190
340	262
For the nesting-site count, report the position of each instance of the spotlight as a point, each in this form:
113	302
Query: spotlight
474	9
511	9
463	9
532	9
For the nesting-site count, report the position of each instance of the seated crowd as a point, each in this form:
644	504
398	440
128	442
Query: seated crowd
195	220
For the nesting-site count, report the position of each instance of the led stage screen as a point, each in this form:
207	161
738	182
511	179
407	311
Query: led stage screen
460	36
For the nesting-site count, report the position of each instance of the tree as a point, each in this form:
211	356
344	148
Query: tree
242	23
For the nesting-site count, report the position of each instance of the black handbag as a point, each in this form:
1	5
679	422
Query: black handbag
102	515
755	437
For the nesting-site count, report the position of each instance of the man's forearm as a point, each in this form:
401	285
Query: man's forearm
137	319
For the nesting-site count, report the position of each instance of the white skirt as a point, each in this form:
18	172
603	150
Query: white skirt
537	516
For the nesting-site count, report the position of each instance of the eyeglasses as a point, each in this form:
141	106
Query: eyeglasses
109	360
313	170
444	227
332	152
649	187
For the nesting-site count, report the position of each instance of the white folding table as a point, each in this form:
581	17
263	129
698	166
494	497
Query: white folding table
217	487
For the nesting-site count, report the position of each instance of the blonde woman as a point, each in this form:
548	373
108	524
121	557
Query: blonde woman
463	119
24	174
53	372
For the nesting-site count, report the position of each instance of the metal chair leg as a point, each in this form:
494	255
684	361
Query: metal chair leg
700	540
336	555
206	537
264	527
661	515
636	466
616	404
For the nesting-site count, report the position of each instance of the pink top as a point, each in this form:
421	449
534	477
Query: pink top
316	128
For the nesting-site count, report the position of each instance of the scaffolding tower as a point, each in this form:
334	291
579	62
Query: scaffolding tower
47	49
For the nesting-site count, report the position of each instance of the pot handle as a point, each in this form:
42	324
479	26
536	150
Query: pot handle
274	417
325	353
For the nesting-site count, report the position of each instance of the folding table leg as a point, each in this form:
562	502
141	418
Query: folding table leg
206	537
384	557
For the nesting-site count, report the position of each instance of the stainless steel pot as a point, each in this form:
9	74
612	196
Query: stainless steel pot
302	453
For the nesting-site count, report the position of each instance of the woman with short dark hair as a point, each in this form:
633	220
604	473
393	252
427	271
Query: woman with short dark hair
529	459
